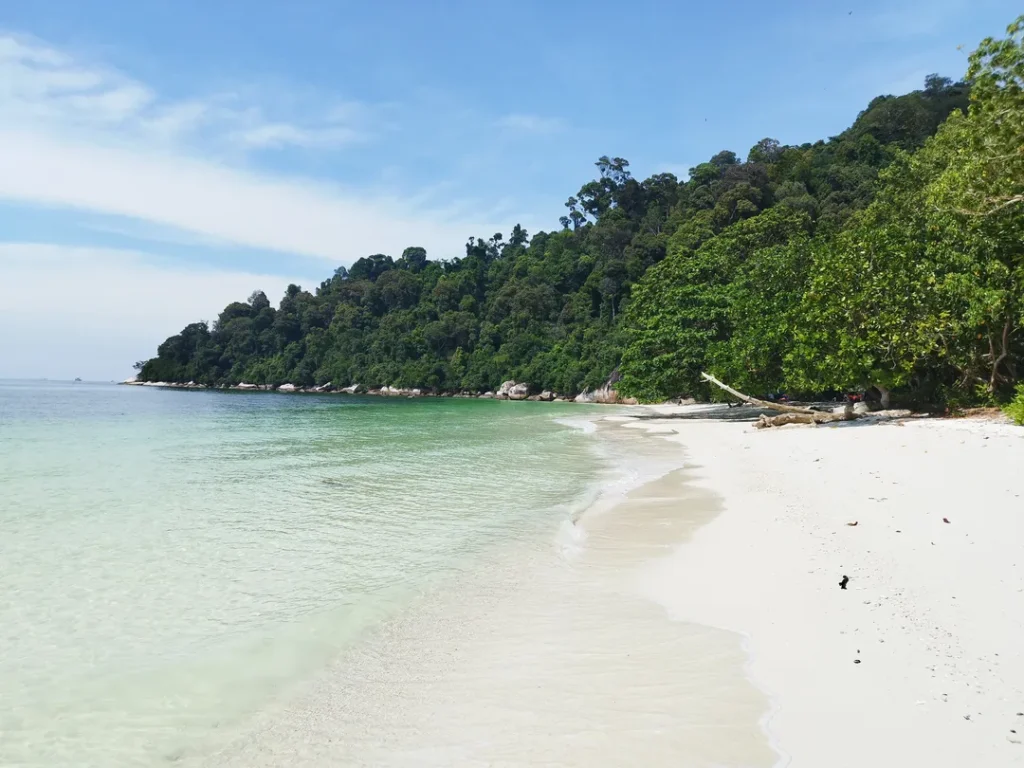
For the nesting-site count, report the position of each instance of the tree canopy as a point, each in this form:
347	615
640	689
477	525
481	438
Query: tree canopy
888	256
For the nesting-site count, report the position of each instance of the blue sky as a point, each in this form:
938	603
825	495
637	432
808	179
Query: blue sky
159	159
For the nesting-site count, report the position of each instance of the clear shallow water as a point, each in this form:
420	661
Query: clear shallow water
557	656
172	560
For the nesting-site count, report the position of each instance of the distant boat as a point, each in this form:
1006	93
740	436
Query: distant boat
77	379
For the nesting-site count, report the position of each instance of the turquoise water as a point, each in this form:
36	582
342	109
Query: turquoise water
172	560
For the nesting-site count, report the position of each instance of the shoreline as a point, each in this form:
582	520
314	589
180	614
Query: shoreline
550	655
917	661
509	390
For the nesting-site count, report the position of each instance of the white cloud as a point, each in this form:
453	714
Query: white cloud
113	105
92	312
531	124
284	134
14	49
80	136
41	85
177	120
262	211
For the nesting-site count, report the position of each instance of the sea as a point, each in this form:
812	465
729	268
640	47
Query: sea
235	578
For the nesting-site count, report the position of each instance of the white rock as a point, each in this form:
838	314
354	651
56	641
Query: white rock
518	392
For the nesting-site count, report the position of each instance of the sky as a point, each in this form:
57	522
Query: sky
159	159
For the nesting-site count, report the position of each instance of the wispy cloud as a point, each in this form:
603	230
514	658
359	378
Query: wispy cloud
242	207
78	135
531	124
271	135
41	84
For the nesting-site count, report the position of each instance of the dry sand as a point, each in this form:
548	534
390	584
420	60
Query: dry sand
934	610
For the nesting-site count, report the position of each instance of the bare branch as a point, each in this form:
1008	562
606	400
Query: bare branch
790	414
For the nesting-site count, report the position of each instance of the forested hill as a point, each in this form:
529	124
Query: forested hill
889	255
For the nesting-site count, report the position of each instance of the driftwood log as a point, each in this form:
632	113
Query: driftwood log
788	414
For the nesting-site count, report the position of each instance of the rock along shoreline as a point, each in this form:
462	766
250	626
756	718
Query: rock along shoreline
509	390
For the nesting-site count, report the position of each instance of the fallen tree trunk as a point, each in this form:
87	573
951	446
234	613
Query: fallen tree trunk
789	414
784	419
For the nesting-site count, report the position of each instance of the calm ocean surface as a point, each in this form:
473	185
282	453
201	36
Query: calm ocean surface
172	560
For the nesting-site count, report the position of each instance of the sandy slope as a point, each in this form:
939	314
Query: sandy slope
934	611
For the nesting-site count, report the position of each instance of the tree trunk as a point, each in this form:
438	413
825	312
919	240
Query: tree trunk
753	400
812	417
790	414
883	397
997	361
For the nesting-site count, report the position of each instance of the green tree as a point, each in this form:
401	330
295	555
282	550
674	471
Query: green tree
887	255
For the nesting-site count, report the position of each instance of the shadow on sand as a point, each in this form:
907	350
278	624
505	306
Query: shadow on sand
713	412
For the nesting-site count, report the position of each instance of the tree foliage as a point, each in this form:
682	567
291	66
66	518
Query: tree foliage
890	255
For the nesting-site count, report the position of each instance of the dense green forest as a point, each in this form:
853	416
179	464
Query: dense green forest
889	256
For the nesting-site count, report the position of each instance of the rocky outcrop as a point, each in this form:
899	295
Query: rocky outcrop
504	389
510	390
606	394
546	396
387	391
519	392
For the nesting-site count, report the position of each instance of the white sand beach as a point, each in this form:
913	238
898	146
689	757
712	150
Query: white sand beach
920	661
